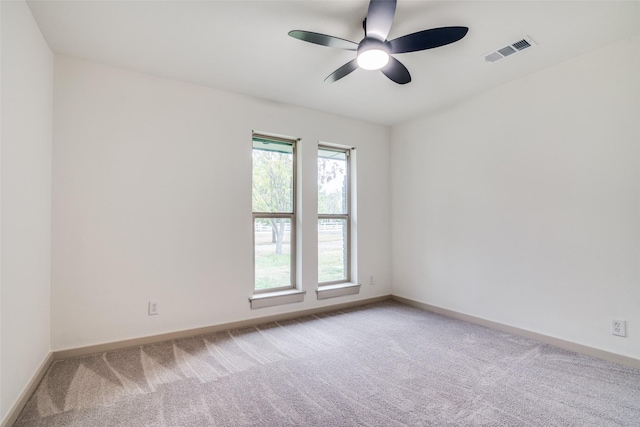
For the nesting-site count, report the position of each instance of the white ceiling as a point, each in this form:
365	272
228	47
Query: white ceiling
243	46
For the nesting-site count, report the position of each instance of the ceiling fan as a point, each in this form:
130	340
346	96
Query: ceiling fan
374	51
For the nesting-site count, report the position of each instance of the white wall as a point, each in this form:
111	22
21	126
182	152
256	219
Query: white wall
522	204
25	221
152	200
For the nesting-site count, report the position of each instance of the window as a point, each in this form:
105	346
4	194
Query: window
334	223
274	221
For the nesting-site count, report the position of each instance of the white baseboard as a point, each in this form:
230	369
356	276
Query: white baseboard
22	400
136	342
567	345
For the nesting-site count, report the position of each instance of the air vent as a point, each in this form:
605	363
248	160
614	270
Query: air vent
506	51
509	50
493	57
522	44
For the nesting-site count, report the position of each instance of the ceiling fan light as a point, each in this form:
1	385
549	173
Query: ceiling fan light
373	59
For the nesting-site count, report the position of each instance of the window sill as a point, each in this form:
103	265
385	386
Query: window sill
269	299
338	290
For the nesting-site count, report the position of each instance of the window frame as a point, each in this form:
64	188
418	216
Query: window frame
274	215
344	216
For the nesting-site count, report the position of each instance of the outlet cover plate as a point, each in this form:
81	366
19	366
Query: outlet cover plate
619	327
154	308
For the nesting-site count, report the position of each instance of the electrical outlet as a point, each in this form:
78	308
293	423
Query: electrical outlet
371	281
619	327
154	308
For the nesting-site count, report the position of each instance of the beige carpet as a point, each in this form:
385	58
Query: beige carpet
385	364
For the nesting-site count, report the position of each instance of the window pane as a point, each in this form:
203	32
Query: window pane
332	182
272	176
332	250
272	252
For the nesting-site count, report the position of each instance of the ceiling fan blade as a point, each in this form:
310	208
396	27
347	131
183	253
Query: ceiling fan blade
396	71
380	18
323	39
427	39
347	68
